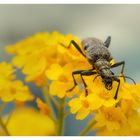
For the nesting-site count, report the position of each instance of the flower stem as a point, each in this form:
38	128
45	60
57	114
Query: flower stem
4	127
88	128
54	101
61	117
48	101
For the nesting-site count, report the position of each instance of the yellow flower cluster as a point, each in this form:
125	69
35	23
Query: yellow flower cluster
117	122
10	88
41	55
42	59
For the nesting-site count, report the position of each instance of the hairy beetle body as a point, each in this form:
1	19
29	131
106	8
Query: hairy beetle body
95	50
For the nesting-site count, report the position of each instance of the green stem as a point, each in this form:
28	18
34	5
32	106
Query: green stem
4	127
66	113
48	101
61	117
55	102
88	128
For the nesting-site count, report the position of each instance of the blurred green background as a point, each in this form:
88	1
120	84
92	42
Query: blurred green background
122	22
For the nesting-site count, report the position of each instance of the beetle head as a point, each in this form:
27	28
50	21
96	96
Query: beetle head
108	83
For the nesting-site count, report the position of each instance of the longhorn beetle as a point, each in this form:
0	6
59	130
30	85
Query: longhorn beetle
98	55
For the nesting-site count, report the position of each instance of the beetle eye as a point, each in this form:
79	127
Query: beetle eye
86	46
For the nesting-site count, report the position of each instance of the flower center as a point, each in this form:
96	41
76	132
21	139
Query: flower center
109	116
85	104
63	78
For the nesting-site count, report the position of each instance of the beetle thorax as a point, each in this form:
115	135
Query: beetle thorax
95	50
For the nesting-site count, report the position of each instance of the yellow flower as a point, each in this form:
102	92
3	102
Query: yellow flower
6	71
35	54
54	72
85	105
104	97
11	89
62	80
28	122
111	118
114	124
34	65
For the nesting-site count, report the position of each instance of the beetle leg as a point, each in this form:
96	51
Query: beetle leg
74	80
81	72
75	45
116	94
86	73
119	64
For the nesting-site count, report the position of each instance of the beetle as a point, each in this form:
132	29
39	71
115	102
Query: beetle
98	55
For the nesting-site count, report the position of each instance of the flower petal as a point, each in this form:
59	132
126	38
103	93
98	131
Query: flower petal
95	101
75	105
54	72
82	113
110	102
58	88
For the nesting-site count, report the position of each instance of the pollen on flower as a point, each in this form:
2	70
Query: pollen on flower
63	78
85	103
109	117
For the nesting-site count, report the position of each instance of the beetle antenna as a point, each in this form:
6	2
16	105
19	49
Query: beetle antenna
128	78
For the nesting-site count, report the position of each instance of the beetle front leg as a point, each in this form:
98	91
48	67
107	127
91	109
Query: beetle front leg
74	80
86	73
82	73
